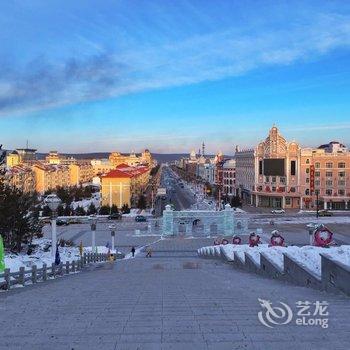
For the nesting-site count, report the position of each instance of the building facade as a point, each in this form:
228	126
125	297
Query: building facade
229	177
280	174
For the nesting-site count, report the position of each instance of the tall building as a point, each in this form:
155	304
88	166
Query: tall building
22	177
19	156
81	172
229	177
281	174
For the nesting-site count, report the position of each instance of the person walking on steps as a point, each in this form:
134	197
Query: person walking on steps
133	251
149	252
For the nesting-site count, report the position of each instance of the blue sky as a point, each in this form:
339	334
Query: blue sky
82	76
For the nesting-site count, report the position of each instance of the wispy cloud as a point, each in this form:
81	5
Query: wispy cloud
43	83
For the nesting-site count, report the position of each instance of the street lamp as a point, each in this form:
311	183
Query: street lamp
93	222
53	202
311	228
112	228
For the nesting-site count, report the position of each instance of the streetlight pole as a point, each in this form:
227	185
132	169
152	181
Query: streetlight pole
317	208
93	233
53	202
112	229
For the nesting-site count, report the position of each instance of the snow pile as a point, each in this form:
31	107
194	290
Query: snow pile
85	203
40	256
307	256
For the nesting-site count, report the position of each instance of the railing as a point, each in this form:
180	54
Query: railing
34	275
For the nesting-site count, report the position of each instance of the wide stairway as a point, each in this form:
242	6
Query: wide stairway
170	301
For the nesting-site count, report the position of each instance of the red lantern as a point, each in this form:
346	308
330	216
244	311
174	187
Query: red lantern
236	240
323	236
276	239
224	241
254	240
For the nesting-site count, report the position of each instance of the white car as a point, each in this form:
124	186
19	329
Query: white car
277	211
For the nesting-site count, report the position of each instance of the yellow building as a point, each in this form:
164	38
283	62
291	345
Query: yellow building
81	172
124	184
48	176
101	166
116	188
13	159
145	158
21	177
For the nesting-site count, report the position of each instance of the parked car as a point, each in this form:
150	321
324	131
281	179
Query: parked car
325	213
140	218
115	216
62	222
277	211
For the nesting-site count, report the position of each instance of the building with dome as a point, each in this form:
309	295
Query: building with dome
280	174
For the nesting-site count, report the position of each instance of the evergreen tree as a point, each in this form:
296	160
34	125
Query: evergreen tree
236	202
142	204
60	210
67	210
114	209
80	211
104	210
46	211
92	209
19	217
125	209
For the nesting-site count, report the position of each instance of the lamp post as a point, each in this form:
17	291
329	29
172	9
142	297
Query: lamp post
311	228
93	223
53	202
112	229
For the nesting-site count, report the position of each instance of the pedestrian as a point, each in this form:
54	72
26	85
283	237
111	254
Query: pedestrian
149	252
133	251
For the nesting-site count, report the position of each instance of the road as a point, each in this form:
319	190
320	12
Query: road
181	198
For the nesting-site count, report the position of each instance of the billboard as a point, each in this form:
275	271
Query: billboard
274	167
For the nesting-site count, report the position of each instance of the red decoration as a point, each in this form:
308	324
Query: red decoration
323	236
276	239
236	240
254	240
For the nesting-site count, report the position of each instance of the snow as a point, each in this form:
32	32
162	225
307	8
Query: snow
307	256
39	256
85	203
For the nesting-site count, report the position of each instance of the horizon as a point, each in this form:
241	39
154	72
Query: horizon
85	77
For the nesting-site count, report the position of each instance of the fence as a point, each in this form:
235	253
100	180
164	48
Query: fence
44	273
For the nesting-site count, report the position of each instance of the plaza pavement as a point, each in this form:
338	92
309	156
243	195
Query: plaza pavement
172	301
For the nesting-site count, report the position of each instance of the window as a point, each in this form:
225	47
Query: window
282	180
260	167
317	182
341	192
307	161
273	178
292	189
267	178
307	192
341	174
307	180
307	170
293	167
287	200
329	165
329	183
317	165
317	174
329	192
341	183
329	174
341	165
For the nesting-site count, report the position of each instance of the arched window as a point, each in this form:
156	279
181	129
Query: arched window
341	165
307	192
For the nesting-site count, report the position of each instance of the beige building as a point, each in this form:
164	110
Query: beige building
145	158
20	156
123	185
281	174
101	166
48	176
81	172
21	177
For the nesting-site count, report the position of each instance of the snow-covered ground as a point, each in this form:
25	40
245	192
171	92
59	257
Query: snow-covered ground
85	203
307	256
304	220
39	256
